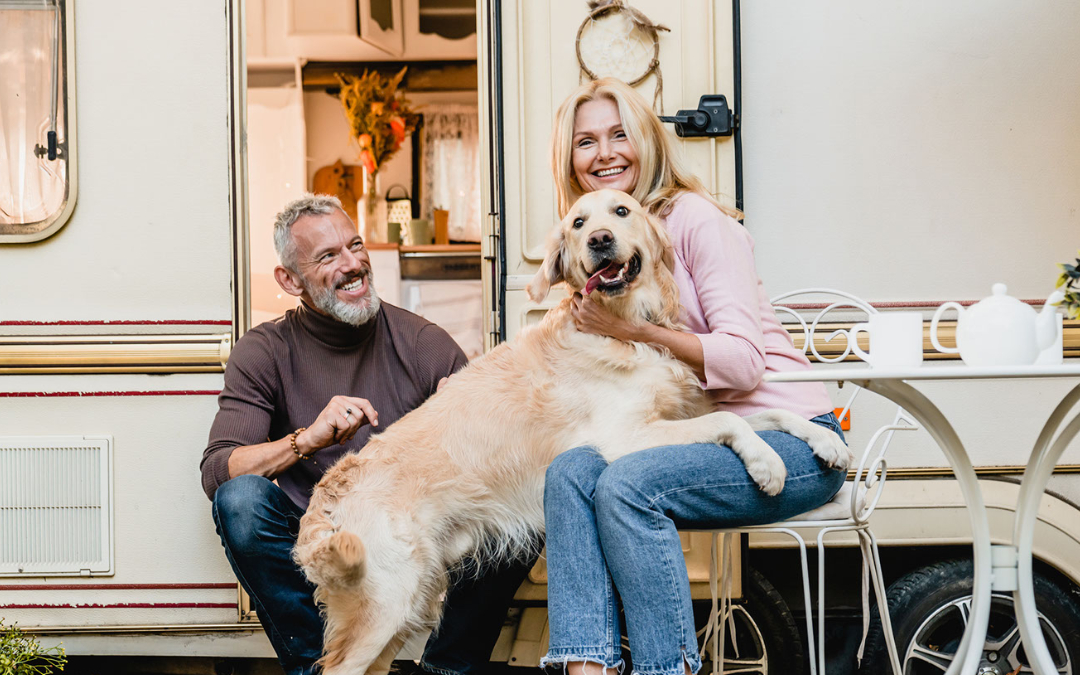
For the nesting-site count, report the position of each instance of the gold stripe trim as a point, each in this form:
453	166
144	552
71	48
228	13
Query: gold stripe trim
981	471
75	354
946	334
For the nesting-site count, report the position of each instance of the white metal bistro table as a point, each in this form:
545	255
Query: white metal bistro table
1005	568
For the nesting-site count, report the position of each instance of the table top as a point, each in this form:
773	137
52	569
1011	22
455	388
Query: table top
927	371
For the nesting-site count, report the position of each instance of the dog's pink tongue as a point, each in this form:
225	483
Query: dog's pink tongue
592	283
594	280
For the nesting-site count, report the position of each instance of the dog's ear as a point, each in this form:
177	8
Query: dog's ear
669	310
552	270
662	240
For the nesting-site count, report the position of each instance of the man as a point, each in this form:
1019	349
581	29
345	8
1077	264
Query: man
300	392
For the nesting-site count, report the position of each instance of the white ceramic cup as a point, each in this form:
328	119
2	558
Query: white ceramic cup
896	339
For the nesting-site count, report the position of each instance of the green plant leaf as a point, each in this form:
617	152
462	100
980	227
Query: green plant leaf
21	654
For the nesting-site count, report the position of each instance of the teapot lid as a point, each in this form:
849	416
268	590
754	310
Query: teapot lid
1000	301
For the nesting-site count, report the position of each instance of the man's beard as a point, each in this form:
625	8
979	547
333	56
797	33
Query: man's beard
326	299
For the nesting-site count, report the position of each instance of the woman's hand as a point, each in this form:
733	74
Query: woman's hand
594	318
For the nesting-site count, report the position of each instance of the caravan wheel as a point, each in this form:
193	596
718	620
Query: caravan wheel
929	608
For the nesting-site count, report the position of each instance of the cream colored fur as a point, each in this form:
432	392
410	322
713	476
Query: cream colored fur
464	472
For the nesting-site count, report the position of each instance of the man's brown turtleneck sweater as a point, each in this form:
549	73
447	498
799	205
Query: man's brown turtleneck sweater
282	373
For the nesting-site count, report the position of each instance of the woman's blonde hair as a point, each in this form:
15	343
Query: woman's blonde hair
662	175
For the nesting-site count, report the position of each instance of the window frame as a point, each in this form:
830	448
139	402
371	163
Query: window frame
23	233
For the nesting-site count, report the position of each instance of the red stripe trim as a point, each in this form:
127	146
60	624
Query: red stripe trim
133	605
62	394
109	587
164	322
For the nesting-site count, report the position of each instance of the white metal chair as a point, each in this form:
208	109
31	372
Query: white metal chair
849	510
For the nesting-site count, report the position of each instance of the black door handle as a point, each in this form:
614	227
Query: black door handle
712	118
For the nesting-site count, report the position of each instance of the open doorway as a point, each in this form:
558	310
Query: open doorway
422	229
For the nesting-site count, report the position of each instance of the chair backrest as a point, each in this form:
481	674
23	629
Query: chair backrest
821	316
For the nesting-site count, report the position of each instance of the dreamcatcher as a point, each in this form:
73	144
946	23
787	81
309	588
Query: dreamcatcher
617	40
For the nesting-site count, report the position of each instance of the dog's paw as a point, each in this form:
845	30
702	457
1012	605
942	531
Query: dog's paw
766	468
345	549
830	449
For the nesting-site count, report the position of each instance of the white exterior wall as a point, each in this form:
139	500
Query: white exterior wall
912	151
150	241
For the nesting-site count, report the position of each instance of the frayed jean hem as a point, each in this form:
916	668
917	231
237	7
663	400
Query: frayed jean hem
690	659
561	657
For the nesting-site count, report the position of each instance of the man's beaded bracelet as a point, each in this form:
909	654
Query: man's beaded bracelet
292	444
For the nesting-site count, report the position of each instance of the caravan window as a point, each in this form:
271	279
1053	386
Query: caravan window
37	119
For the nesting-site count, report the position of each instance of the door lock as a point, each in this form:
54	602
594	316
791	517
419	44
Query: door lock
712	118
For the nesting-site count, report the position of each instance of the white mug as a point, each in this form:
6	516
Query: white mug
896	339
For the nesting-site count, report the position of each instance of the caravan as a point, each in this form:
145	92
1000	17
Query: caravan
911	155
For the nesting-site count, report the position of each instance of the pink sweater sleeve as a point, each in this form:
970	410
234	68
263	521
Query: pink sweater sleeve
719	255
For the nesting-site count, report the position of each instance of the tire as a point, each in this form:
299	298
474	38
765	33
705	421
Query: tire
928	606
768	639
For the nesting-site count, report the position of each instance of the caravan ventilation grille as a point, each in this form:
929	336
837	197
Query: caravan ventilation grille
54	505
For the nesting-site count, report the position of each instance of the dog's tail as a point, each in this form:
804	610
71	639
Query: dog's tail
330	559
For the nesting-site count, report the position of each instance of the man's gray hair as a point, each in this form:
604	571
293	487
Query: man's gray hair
307	205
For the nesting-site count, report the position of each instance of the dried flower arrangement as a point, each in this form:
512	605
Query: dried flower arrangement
380	119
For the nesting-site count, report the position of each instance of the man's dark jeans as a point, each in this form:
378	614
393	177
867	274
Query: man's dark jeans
258	526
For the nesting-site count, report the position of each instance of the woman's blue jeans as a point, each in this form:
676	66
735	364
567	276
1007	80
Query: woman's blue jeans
611	538
258	525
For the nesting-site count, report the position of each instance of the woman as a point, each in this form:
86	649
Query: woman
611	529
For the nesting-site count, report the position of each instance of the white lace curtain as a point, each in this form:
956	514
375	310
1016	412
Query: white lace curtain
451	172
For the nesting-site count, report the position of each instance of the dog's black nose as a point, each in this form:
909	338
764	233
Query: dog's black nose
601	239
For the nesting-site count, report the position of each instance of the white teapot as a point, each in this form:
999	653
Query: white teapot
1000	330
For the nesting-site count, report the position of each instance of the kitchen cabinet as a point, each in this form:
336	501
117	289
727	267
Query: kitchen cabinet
330	30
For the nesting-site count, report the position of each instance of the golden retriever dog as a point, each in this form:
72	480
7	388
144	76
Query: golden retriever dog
464	473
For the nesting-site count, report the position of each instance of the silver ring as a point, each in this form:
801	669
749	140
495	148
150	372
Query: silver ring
348	411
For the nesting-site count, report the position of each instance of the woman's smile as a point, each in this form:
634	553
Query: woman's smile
607	173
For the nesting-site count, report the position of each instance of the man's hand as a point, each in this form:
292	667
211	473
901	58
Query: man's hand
591	317
337	423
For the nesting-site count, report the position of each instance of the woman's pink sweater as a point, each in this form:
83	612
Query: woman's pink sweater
725	305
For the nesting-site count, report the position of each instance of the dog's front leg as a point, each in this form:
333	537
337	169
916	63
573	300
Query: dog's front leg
825	443
723	428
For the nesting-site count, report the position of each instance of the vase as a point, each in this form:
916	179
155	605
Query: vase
371	210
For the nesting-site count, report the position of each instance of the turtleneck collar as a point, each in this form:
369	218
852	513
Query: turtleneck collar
333	332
